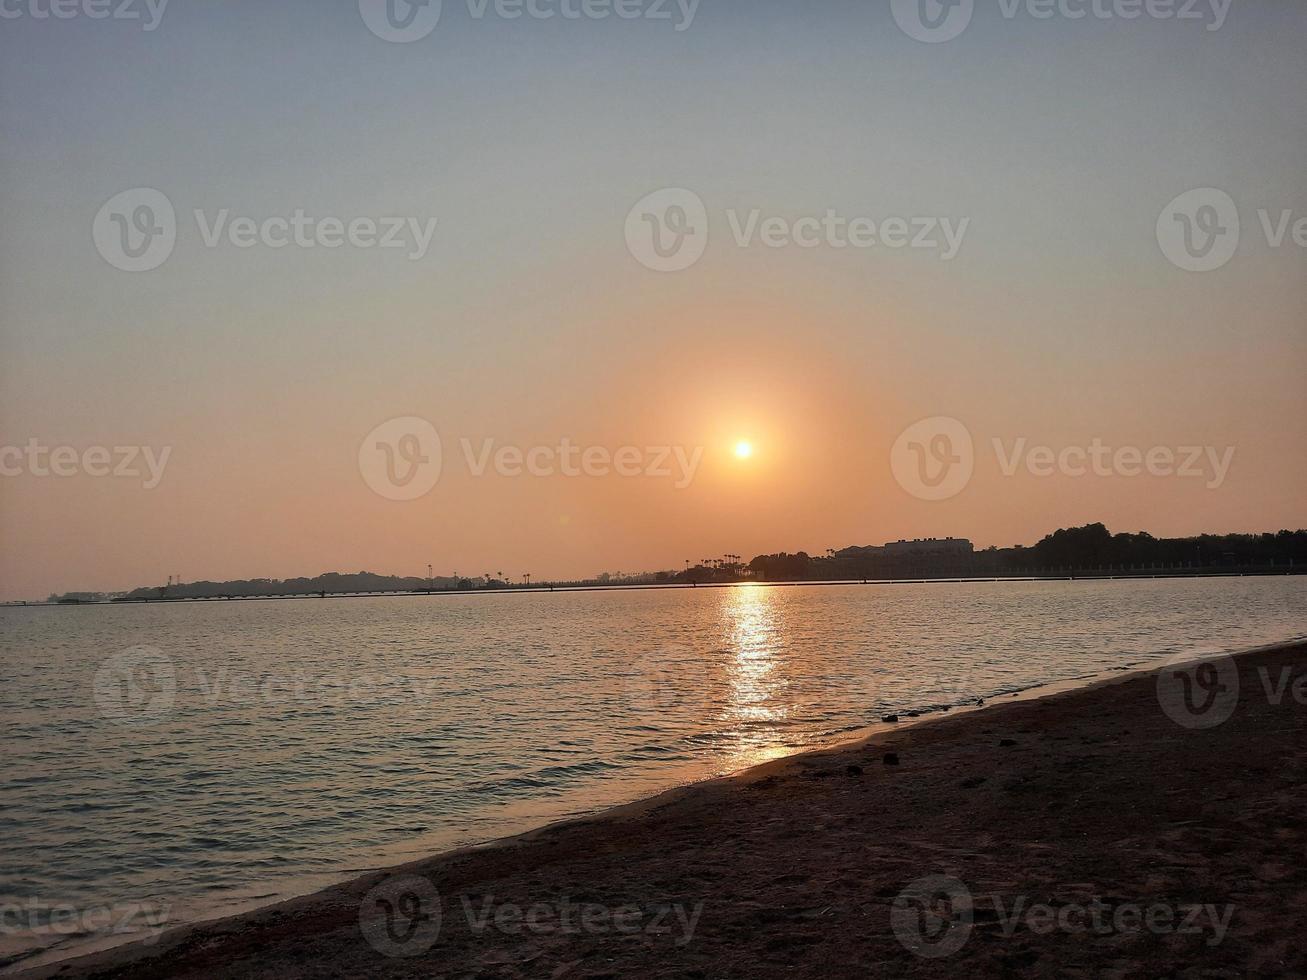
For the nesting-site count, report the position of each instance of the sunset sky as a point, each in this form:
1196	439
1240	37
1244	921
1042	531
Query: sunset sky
528	321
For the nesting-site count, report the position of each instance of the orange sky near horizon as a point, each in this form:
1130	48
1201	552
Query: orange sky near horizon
1059	324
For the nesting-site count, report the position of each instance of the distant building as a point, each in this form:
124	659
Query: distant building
920	548
866	551
930	546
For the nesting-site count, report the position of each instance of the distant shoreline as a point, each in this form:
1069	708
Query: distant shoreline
1069	576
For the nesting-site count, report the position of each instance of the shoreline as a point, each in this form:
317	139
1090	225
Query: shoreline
529	822
1088	576
172	954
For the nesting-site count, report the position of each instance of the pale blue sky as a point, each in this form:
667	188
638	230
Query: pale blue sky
529	140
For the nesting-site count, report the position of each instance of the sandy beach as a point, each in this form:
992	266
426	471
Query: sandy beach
1117	830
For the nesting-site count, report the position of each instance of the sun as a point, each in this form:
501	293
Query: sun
743	449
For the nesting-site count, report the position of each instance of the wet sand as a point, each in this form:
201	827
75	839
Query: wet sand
1081	833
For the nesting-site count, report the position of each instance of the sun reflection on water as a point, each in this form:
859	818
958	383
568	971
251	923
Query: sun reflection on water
756	680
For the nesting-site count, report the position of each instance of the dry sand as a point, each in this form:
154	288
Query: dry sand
1094	803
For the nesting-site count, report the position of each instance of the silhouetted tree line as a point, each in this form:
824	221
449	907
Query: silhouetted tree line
1088	549
1094	545
777	568
330	583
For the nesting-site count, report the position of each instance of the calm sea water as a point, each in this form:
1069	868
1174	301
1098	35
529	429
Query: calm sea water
167	762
